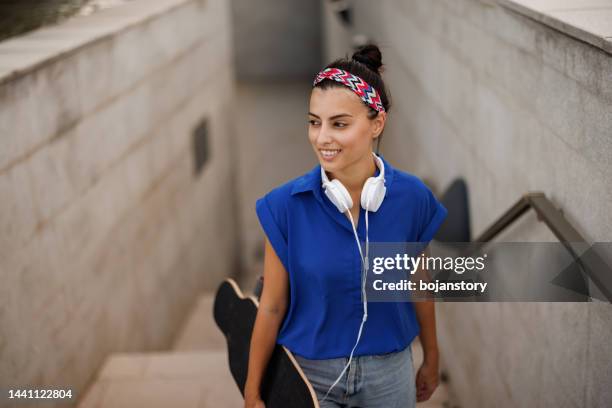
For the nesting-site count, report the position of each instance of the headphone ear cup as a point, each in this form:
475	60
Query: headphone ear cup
338	195
373	193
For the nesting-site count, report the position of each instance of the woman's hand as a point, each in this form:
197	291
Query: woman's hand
253	402
426	380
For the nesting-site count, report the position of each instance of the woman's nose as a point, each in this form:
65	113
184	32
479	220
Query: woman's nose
324	136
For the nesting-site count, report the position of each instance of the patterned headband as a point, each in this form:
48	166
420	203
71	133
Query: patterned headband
366	92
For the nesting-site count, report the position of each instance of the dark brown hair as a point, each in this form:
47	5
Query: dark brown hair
366	63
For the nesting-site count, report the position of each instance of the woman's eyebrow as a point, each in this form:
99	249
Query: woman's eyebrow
333	117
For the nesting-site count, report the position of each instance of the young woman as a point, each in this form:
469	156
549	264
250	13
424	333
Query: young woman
354	354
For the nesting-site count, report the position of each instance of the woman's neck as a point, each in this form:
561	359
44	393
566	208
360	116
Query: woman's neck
354	177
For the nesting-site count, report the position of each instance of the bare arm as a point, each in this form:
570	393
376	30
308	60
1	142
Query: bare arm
272	308
426	315
427	376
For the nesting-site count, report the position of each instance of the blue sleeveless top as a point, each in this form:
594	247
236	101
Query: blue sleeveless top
316	244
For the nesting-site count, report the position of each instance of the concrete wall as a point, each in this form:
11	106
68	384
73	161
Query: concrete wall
276	40
510	105
337	37
273	148
107	235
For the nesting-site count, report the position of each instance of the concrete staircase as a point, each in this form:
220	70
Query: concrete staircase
194	374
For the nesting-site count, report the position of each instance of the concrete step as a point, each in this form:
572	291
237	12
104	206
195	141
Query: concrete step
200	331
187	379
194	374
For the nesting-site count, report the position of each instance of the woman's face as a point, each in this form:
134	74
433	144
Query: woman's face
339	129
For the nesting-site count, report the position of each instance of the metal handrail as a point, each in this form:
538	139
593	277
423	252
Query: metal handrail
591	264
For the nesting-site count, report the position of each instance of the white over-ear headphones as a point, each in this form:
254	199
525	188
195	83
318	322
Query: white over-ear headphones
372	194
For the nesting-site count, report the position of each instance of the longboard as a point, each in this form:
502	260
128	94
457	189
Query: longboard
284	383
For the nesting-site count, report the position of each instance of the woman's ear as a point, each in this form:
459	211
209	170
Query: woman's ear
379	124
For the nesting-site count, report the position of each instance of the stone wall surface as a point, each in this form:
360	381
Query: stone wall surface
511	105
278	40
107	233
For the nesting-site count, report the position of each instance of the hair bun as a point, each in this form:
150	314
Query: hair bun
370	56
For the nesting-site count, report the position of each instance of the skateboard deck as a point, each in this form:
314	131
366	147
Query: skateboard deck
284	383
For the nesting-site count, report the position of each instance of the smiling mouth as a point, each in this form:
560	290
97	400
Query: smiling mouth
329	153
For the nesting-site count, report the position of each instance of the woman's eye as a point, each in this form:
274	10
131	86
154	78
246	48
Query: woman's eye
339	124
312	122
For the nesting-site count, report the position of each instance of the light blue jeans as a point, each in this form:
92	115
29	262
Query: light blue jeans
385	380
